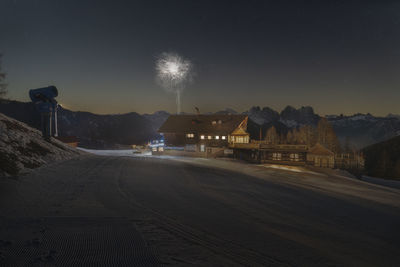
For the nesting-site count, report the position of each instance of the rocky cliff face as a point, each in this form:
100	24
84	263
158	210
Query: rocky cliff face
301	116
262	116
290	116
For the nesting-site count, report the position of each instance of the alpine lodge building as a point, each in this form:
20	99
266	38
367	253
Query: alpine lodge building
211	136
203	135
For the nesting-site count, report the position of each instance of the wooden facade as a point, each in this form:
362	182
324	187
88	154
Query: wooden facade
219	135
349	161
204	135
320	156
262	152
267	153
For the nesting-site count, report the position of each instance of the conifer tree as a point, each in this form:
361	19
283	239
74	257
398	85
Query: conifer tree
272	136
326	135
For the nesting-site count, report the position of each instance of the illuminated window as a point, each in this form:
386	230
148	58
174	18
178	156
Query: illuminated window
190	135
294	157
160	149
276	156
202	137
217	137
214	122
240	139
209	137
223	137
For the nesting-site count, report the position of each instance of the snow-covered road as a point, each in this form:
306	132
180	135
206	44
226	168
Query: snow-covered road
194	211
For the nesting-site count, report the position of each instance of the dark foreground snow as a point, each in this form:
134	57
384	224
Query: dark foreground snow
96	210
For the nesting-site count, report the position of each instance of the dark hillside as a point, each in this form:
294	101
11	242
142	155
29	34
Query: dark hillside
383	159
92	130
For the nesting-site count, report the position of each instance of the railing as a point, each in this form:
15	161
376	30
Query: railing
284	147
244	145
264	145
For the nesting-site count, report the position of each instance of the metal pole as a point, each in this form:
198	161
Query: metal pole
55	121
178	102
50	123
43	124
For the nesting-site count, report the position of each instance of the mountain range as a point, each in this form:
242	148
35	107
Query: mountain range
112	131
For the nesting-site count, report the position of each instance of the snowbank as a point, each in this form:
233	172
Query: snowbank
23	148
288	168
116	152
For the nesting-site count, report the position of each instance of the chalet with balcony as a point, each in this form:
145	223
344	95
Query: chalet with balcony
222	135
204	135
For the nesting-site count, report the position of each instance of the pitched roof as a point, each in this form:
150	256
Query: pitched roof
202	124
319	149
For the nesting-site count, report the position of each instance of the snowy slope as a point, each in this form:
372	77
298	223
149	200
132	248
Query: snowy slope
23	148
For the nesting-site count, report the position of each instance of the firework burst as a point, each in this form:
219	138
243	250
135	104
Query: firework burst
173	73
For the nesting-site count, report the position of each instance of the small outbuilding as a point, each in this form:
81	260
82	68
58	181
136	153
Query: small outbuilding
320	156
69	140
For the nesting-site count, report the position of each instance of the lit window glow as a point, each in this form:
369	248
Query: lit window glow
294	157
276	156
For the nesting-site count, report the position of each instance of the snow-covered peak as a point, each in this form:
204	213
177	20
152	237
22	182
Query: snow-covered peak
290	123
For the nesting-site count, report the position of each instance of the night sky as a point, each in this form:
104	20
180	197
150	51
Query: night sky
338	56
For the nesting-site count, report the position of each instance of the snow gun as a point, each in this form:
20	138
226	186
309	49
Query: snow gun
43	98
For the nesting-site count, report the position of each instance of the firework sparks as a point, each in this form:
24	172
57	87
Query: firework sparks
173	73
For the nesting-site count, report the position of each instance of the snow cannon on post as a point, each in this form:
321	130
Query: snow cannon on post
43	98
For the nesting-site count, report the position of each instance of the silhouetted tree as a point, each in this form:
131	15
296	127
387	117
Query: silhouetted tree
282	138
272	136
307	135
3	85
326	135
290	137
